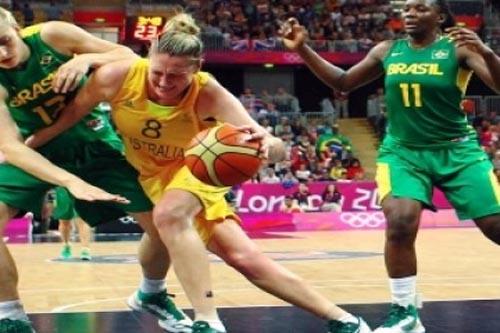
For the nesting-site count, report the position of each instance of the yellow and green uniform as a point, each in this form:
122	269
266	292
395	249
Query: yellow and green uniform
429	142
91	149
155	138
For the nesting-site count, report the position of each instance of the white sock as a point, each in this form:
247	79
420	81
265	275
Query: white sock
12	310
348	318
152	286
404	290
216	324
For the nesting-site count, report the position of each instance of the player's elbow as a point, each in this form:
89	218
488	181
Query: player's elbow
127	52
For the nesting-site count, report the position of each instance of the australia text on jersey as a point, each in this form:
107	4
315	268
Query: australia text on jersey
157	150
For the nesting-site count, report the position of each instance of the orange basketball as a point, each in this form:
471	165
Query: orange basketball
221	156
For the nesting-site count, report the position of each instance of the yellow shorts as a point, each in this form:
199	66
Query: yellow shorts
215	207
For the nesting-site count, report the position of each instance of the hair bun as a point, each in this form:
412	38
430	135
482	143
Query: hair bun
182	23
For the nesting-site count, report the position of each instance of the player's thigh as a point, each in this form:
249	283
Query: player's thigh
473	191
64	205
401	178
115	175
215	208
20	190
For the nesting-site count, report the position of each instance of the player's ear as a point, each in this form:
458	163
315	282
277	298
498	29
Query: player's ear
198	63
442	18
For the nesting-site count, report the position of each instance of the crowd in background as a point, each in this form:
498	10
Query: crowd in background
488	131
354	25
333	25
316	150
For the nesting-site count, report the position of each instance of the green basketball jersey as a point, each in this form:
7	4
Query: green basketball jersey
32	102
423	91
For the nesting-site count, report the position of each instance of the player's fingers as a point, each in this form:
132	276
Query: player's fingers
292	21
68	82
31	141
120	199
264	151
104	196
463	43
452	29
245	129
256	136
58	80
76	82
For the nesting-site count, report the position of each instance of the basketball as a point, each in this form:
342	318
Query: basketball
222	156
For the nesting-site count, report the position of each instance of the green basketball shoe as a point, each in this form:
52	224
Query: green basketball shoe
200	326
335	326
15	326
161	306
402	320
85	254
65	252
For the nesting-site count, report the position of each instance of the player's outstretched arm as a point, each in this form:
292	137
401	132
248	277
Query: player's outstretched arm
102	86
294	37
17	153
87	50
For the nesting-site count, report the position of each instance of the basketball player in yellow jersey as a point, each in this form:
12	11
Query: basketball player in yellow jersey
158	105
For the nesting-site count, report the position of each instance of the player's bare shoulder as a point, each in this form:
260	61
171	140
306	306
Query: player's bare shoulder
114	74
380	51
207	96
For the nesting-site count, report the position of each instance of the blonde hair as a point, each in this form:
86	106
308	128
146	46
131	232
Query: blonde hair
7	18
180	37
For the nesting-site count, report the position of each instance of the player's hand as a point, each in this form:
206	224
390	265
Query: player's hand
293	34
40	137
466	37
257	135
84	191
69	75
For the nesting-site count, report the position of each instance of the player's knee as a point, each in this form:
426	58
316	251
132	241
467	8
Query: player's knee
168	218
5	215
490	226
402	224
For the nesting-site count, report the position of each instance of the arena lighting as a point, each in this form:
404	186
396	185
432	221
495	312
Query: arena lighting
269	65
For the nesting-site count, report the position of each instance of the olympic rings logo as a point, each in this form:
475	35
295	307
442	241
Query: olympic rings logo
363	219
291	58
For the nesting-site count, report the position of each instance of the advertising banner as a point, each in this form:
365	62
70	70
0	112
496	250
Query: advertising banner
276	57
369	220
17	230
357	196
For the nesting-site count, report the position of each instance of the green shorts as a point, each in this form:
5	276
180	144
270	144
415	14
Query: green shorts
64	205
99	163
462	171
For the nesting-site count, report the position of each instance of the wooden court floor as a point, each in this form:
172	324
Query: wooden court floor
347	267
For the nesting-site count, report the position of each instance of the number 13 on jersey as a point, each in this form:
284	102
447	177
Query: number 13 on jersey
411	94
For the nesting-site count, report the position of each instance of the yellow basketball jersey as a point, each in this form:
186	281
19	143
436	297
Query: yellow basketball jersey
155	136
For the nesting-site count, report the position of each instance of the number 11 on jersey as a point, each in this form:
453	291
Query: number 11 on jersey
411	90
